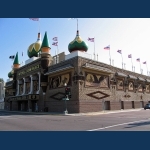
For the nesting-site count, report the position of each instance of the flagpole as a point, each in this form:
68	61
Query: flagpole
147	68
94	48
77	23
131	62
57	54
39	24
109	57
140	67
122	60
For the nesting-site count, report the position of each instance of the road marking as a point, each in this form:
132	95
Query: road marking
116	125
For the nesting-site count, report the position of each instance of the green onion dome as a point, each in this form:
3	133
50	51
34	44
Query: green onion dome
10	74
77	44
35	48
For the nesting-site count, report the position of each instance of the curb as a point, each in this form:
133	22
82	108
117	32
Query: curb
75	114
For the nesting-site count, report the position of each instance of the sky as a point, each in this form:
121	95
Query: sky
130	35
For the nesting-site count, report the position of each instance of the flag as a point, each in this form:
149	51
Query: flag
119	51
55	39
12	57
107	47
144	62
138	60
91	39
55	43
34	19
130	56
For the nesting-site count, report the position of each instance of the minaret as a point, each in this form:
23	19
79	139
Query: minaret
46	60
16	64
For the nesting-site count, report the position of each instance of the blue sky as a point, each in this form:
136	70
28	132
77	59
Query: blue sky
131	35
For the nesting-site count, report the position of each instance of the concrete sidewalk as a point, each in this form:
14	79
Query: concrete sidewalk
76	114
105	112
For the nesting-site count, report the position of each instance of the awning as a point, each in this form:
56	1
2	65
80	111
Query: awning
147	80
120	74
141	79
95	67
132	77
62	68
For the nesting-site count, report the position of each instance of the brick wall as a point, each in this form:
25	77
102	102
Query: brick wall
115	105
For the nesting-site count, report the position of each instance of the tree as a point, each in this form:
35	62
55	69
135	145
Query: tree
1	80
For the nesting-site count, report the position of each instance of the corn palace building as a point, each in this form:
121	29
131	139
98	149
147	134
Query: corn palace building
95	86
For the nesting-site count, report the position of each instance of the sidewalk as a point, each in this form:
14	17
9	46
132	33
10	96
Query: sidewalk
77	114
105	112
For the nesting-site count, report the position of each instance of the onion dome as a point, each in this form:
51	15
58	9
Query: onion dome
35	48
10	74
77	44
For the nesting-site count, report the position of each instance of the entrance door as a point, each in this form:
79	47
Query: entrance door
10	105
107	105
132	104
122	105
142	104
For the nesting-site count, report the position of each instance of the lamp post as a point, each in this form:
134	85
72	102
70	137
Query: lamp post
66	98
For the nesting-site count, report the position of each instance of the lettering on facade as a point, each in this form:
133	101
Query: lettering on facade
29	70
25	97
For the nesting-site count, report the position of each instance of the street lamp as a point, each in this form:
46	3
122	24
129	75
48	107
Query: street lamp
66	98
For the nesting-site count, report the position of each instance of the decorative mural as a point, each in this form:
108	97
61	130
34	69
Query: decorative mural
93	80
59	81
140	88
147	88
120	84
130	86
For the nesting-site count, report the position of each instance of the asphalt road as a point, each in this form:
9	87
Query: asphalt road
138	120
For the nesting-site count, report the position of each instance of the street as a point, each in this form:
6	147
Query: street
138	120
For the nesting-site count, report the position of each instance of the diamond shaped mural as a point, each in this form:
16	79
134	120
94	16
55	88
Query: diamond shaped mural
98	95
58	96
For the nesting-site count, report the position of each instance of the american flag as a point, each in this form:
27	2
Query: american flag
144	62
55	43
34	19
119	51
55	39
138	59
91	39
107	47
130	56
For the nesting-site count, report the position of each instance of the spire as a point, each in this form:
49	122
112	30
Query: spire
45	42
39	36
16	62
77	32
45	48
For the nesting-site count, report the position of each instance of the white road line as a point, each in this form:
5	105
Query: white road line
116	125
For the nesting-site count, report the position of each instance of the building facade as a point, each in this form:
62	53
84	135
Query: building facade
2	93
39	85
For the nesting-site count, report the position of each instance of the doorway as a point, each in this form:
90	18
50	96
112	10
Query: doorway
132	104
122	104
142	104
107	105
